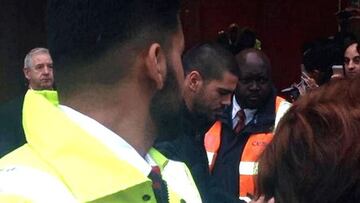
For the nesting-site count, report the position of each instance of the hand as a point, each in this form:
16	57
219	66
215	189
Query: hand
309	82
301	86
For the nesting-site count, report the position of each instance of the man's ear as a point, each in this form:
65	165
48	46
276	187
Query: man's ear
155	62
26	73
194	80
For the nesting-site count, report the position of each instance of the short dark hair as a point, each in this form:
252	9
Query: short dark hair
315	155
84	33
321	55
347	40
211	60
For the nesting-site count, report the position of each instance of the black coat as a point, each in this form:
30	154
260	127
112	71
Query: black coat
189	148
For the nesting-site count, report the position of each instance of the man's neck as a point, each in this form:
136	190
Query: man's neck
128	118
39	89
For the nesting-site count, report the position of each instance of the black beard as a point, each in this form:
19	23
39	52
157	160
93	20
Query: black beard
201	114
165	109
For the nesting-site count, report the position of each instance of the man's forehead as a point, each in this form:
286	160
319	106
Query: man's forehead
254	64
226	81
352	50
253	59
41	56
253	69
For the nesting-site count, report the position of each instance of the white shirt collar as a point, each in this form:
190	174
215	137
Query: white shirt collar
249	113
114	142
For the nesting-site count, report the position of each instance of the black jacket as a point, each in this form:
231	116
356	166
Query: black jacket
189	148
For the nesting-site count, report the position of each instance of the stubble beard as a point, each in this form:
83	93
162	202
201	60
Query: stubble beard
165	109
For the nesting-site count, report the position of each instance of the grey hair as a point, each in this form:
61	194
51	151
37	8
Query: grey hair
32	52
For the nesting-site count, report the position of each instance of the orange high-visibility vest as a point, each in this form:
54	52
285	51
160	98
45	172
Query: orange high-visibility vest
212	143
254	147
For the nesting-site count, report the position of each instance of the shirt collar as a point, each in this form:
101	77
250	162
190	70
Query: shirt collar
249	113
235	107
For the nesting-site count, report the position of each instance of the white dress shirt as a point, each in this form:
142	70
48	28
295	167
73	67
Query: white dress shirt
249	113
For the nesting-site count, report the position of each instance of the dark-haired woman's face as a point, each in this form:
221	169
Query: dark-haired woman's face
352	61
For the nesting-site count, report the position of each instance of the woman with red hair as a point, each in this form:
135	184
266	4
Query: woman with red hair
315	154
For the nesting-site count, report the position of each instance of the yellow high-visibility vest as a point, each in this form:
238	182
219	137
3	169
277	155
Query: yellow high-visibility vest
61	162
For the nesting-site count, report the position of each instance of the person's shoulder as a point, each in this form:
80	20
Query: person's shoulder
25	157
22	155
26	184
24	177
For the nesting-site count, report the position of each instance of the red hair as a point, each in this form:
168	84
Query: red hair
315	154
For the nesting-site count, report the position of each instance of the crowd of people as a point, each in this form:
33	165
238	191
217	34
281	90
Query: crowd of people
134	119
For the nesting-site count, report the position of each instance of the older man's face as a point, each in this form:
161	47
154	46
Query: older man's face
40	75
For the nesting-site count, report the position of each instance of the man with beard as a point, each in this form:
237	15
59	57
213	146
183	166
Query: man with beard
211	75
119	77
38	71
234	145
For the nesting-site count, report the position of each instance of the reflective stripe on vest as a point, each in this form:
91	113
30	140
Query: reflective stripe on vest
248	168
212	143
252	150
248	164
246	199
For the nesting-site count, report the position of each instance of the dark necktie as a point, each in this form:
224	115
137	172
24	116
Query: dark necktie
241	122
159	185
